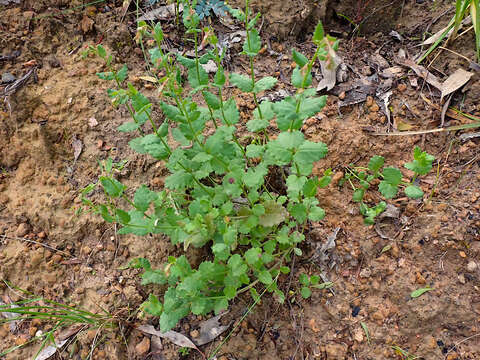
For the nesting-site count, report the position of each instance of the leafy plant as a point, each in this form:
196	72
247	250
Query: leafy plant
389	181
309	282
218	194
204	8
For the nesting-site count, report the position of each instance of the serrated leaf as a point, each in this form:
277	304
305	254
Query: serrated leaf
101	51
153	306
112	187
413	192
316	213
243	82
389	191
420	292
232	115
253	255
274	214
299	212
265	83
219	78
295	186
122	73
212	100
311	106
309	152
290	140
392	176
253	43
128	127
376	163
143	197
422	162
265	277
254	151
179	180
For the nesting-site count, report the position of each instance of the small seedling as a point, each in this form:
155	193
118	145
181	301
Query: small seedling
309	282
389	181
420	292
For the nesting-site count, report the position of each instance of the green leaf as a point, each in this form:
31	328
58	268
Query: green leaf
304	279
254	151
170	111
300	59
143	197
305	292
392	175
232	115
388	191
265	83
212	100
316	213
274	214
290	140
358	195
243	82
286	112
295	186
265	277
197	77
199	305
122	73
101	51
297	251
255	177
420	292
422	163
236	265
179	180
299	212
219	78
376	163
311	106
284	269
106	75
310	152
230	292
253	43
128	126
298	78
112	187
413	192
154	277
153	306
253	255
221	251
318	34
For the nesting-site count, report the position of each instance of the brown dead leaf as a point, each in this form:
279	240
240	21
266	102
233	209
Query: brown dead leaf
403	126
313	325
455	81
86	24
210	329
77	148
173	336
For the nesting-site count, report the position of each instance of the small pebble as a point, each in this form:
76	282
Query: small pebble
8	78
472	266
402	87
355	311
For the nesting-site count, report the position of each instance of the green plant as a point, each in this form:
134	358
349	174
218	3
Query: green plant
405	355
389	181
451	31
309	282
184	351
219	193
60	315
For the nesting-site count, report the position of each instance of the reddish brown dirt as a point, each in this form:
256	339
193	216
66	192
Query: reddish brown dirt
436	242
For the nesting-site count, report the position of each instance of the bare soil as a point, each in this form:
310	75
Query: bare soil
49	250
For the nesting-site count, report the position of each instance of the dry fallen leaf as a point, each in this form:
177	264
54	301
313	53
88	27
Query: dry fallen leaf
173	336
77	148
48	351
86	24
210	329
455	81
161	13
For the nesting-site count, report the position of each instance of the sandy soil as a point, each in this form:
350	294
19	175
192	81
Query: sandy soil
51	251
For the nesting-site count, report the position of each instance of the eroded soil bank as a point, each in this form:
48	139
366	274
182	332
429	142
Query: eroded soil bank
49	250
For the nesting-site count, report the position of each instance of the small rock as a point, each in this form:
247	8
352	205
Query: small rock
402	87
41	234
461	279
369	101
342	95
8	78
22	230
358	335
336	351
21	340
462	254
472	266
92	122
365	273
194	333
143	346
